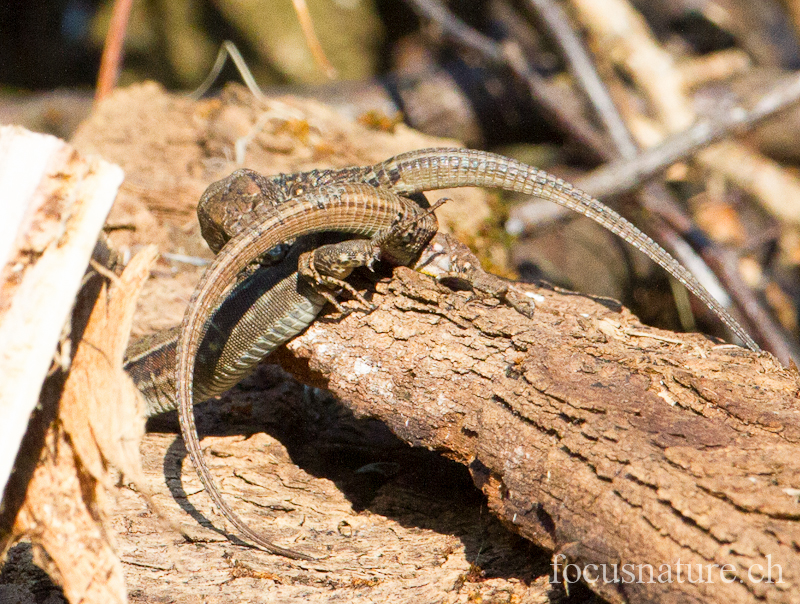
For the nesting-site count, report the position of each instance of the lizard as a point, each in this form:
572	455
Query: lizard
369	207
241	334
399	230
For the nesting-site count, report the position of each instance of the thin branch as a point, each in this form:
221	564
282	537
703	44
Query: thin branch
112	51
655	197
624	176
307	25
580	65
509	56
458	31
228	49
623	33
725	265
620	31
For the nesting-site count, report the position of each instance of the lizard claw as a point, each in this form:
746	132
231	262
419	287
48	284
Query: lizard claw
520	302
370	263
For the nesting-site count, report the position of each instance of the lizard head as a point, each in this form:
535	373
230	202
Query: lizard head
226	205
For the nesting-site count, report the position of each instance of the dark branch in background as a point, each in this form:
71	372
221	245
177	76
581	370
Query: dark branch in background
570	122
556	23
112	51
725	264
580	61
582	67
654	196
624	176
314	45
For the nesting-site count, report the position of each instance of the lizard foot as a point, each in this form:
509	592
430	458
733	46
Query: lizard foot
453	264
327	267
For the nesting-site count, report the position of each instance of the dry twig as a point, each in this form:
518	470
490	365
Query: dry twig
112	51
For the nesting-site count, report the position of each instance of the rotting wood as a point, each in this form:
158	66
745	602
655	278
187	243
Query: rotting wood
264	483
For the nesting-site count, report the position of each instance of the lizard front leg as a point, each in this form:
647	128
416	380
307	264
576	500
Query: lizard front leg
327	267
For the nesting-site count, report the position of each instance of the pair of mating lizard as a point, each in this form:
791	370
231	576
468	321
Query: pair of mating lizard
246	217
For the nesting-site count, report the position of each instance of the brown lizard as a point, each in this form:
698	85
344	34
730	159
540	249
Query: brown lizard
399	231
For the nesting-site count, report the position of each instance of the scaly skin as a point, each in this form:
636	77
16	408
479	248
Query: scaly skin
429	169
235	203
253	205
356	208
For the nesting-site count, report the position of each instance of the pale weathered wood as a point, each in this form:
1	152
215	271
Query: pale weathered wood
100	422
56	202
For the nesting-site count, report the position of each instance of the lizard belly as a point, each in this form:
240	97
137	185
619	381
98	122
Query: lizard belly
271	321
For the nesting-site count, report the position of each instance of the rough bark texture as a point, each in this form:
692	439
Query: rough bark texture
590	434
88	418
54	202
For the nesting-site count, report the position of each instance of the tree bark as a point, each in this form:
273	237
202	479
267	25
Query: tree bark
622	448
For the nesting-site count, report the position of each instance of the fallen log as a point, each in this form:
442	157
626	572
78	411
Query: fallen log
657	467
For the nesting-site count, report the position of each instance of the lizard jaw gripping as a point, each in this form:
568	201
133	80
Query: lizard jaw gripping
413	172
